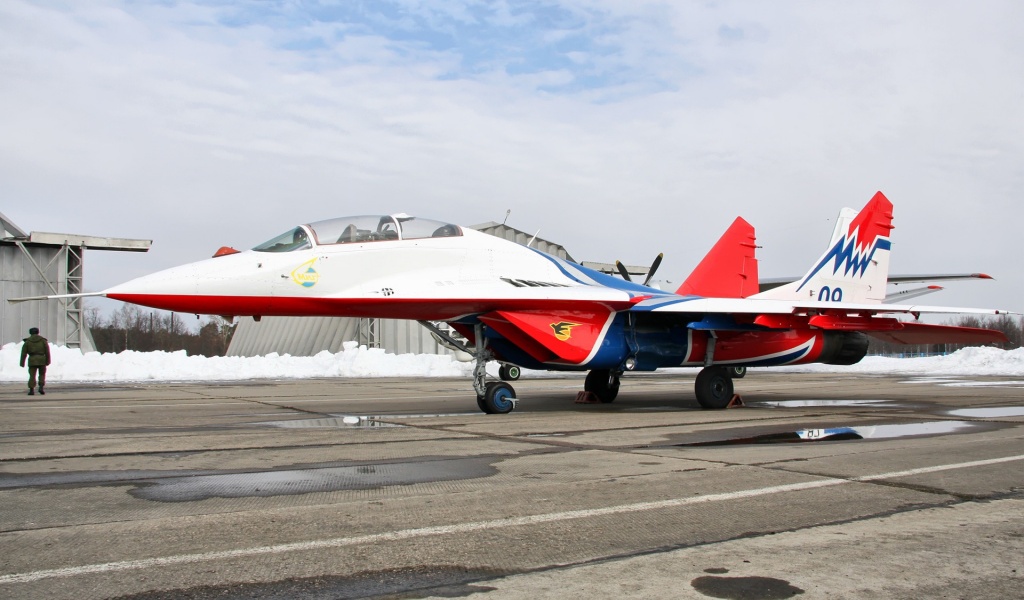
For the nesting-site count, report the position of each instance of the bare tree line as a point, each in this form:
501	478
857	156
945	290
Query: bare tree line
1011	326
132	328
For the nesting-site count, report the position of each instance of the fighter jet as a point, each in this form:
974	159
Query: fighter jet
523	307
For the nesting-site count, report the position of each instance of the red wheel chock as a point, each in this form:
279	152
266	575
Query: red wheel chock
736	402
587	398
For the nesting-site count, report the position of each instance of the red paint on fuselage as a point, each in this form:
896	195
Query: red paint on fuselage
432	309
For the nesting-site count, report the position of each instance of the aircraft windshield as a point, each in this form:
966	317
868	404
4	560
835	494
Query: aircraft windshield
295	239
375	228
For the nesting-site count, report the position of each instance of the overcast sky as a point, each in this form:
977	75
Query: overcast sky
617	128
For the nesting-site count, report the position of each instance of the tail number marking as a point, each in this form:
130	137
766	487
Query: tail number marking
828	294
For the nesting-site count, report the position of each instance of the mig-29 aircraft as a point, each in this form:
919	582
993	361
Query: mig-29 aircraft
527	308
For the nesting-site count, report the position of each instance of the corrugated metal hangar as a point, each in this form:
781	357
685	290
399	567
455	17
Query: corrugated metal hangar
42	264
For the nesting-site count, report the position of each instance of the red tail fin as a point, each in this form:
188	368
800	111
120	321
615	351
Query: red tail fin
729	270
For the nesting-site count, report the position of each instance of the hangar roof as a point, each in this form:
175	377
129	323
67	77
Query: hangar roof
13	233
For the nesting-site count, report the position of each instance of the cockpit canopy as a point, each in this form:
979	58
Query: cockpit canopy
367	228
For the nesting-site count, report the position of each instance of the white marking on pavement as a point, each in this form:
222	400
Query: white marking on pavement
406	534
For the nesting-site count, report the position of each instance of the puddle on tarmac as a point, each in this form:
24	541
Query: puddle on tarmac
877	432
985	384
347	422
835	434
745	588
356	421
962	382
420	581
813	403
307	481
993	412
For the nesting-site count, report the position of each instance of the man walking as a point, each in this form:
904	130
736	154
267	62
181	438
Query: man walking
37	350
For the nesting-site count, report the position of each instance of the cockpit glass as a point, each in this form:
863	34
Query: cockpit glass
296	239
376	228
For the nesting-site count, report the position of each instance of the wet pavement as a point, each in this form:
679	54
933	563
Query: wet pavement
399	488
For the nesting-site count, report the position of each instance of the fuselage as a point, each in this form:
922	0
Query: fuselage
540	311
438	278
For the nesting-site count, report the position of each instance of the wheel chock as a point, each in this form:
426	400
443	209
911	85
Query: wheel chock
736	402
587	398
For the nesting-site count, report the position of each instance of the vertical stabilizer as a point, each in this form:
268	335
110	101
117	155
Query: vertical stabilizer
855	266
729	270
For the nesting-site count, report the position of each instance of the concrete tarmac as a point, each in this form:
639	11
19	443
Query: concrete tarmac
822	486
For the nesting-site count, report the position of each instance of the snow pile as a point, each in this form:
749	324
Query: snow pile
968	361
359	361
354	361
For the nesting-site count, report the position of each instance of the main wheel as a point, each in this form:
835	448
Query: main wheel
603	384
509	372
498	398
714	387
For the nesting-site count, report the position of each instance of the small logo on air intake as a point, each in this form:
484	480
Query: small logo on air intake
563	329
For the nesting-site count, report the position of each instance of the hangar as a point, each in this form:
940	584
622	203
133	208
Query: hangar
40	264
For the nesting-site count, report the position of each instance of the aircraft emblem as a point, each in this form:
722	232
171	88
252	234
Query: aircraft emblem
563	329
305	275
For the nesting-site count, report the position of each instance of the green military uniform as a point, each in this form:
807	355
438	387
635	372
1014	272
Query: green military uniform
37	350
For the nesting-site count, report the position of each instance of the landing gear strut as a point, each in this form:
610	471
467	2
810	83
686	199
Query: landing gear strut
495	397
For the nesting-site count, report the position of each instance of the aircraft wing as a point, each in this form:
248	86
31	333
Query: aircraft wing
877	320
774	282
752	306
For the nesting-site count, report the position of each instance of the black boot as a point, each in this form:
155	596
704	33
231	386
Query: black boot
31	392
41	392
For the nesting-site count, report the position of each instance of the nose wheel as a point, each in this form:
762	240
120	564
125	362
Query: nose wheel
499	398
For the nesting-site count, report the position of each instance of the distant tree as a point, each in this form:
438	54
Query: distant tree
132	328
1012	327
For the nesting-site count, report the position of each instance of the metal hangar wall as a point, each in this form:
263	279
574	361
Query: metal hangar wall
43	264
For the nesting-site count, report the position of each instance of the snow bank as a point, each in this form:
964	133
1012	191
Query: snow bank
354	361
359	361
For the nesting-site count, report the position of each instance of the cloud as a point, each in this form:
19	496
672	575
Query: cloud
618	129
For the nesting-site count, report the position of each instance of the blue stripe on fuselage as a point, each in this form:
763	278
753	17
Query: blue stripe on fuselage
602	279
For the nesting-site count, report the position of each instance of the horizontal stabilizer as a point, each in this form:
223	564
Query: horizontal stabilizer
924	333
901	295
926	278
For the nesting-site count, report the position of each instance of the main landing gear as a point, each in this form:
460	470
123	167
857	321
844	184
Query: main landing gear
714	388
603	383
